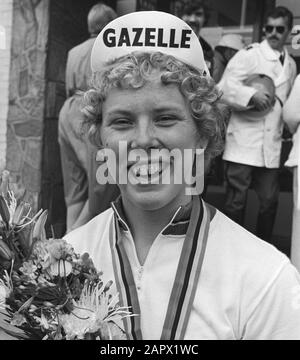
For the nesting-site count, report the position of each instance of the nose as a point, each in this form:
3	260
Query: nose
145	136
274	31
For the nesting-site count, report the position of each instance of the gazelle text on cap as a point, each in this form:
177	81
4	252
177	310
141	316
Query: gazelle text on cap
148	31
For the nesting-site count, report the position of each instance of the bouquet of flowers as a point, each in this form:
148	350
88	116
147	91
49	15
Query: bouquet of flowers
47	291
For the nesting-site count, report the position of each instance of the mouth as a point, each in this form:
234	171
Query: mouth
146	173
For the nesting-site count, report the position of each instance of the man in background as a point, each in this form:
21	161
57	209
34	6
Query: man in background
195	14
228	46
77	154
253	140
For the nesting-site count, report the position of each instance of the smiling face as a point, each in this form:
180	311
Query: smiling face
155	116
277	32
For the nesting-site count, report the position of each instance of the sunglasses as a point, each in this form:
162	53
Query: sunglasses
279	29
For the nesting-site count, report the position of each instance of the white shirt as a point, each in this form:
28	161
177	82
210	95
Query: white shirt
247	289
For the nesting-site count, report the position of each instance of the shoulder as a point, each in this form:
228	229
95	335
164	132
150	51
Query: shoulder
252	47
246	56
86	237
243	251
250	51
249	267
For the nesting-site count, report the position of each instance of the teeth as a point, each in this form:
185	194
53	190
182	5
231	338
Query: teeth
144	170
153	169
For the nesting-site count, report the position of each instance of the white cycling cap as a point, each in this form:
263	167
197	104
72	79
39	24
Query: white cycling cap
148	31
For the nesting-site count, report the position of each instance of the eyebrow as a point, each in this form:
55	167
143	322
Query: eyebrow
161	109
176	108
119	111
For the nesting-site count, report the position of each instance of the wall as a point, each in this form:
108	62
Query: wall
27	95
6	10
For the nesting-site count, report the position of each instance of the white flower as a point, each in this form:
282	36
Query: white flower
60	268
94	310
3	296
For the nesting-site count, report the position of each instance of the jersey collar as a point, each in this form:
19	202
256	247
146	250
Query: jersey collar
177	226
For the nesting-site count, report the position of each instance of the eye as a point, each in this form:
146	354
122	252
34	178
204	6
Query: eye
167	120
122	123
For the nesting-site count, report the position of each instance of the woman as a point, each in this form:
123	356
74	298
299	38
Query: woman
291	116
187	270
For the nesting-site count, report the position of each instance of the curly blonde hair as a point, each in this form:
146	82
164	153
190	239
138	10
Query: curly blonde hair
134	70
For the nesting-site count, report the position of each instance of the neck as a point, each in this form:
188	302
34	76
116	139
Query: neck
145	225
280	49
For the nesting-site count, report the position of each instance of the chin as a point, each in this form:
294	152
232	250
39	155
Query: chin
152	197
274	44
